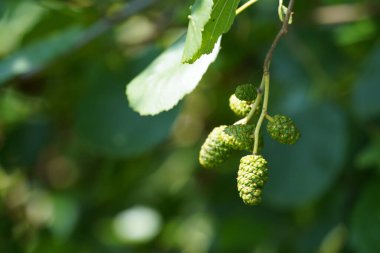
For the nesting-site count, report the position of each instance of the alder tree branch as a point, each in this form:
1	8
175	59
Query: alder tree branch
107	23
266	66
282	32
245	6
266	77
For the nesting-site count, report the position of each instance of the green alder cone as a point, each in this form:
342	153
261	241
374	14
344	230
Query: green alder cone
239	107
283	130
223	140
246	92
252	176
241	137
215	150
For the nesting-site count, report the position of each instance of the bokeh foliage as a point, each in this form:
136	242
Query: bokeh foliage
82	172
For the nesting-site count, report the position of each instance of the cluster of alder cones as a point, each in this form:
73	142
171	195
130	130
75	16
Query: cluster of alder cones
223	140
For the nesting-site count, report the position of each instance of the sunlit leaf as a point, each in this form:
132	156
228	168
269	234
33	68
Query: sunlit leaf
200	14
282	10
167	80
17	21
204	32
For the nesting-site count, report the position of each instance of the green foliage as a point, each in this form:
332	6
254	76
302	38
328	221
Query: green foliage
282	10
208	21
39	54
76	163
200	15
156	89
365	100
106	124
17	22
313	167
166	80
365	220
370	156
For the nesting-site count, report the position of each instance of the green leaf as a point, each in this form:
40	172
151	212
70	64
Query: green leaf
369	157
203	33
365	221
66	213
105	123
282	10
14	107
25	142
17	21
303	172
200	14
366	92
166	80
38	54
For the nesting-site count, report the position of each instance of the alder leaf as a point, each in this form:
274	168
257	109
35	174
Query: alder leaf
282	11
303	172
366	101
105	124
200	15
18	19
365	220
39	54
167	80
206	25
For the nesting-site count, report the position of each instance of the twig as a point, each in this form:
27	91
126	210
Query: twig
107	23
265	83
267	61
282	32
245	6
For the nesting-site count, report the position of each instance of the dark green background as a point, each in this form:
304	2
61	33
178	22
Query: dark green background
73	155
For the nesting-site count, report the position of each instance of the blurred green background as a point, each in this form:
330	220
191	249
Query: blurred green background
81	172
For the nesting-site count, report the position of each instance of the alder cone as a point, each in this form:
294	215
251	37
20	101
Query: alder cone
246	92
215	150
252	176
223	140
240	107
283	130
240	137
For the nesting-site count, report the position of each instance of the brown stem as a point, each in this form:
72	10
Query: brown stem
266	77
282	32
